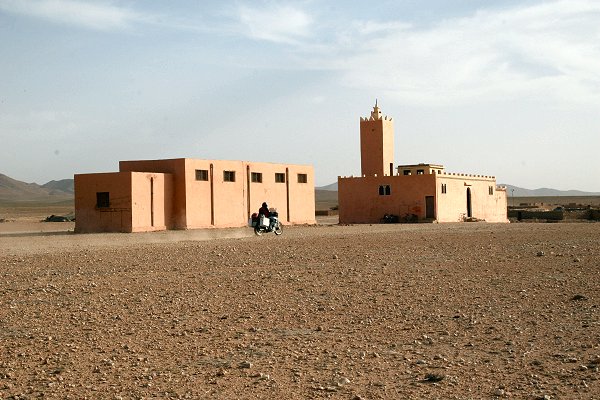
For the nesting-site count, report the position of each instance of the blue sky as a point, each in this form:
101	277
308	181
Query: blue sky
504	88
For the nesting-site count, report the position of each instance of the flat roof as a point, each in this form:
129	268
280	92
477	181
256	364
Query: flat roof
421	165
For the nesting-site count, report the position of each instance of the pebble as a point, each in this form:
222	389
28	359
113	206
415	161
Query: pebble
245	364
540	253
264	377
343	381
434	377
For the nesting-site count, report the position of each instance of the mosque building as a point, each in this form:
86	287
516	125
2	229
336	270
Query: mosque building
421	192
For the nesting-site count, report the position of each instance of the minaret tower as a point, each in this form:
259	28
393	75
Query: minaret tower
376	144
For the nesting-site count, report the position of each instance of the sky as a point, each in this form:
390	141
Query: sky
504	88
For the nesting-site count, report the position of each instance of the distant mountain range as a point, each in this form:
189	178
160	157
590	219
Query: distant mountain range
12	190
518	192
544	192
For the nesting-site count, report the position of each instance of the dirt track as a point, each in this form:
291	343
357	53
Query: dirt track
345	312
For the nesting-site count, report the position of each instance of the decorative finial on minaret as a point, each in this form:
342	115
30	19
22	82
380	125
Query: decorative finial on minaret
376	114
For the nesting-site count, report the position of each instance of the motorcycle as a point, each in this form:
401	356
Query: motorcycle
262	224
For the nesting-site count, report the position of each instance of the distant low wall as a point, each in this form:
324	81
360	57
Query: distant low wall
527	214
555	215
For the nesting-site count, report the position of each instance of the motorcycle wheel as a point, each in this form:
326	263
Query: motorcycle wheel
257	231
278	229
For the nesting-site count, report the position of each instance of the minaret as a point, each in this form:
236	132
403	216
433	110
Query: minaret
376	144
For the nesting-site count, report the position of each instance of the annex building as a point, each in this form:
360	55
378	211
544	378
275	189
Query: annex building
423	192
183	193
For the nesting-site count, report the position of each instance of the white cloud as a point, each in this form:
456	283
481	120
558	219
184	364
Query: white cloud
281	24
550	50
92	15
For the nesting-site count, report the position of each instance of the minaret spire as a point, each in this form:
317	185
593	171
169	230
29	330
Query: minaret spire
376	114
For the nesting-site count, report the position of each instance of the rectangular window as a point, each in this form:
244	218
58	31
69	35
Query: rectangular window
102	200
420	172
443	188
256	177
302	178
279	177
385	190
406	172
201	174
491	190
229	176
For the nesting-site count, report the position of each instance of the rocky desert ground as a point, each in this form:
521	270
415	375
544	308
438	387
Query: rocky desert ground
425	311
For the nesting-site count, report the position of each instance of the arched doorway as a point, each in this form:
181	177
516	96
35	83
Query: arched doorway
469	209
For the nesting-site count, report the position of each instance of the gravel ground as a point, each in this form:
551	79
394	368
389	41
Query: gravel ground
344	312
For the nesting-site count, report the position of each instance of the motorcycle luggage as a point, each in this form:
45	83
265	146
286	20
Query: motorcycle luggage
264	221
253	220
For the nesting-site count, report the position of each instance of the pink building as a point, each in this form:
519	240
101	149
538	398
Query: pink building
183	193
422	191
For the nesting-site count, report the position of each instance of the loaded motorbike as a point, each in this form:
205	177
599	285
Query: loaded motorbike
262	224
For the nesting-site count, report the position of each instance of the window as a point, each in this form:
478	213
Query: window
443	188
102	200
201	174
229	176
256	177
302	178
385	190
406	172
420	172
491	190
279	177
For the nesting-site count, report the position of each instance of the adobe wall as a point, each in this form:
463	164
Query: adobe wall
152	203
116	217
302	195
226	206
269	191
452	205
360	201
230	204
175	167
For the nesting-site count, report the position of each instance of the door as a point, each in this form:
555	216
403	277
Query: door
469	210
429	207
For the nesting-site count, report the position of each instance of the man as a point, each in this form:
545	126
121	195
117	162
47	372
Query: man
264	210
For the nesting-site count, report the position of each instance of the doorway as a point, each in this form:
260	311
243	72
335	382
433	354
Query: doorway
429	207
151	201
469	208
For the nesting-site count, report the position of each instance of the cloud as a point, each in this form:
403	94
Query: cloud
280	24
543	51
91	15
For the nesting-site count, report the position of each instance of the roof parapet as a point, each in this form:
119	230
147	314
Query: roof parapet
466	175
